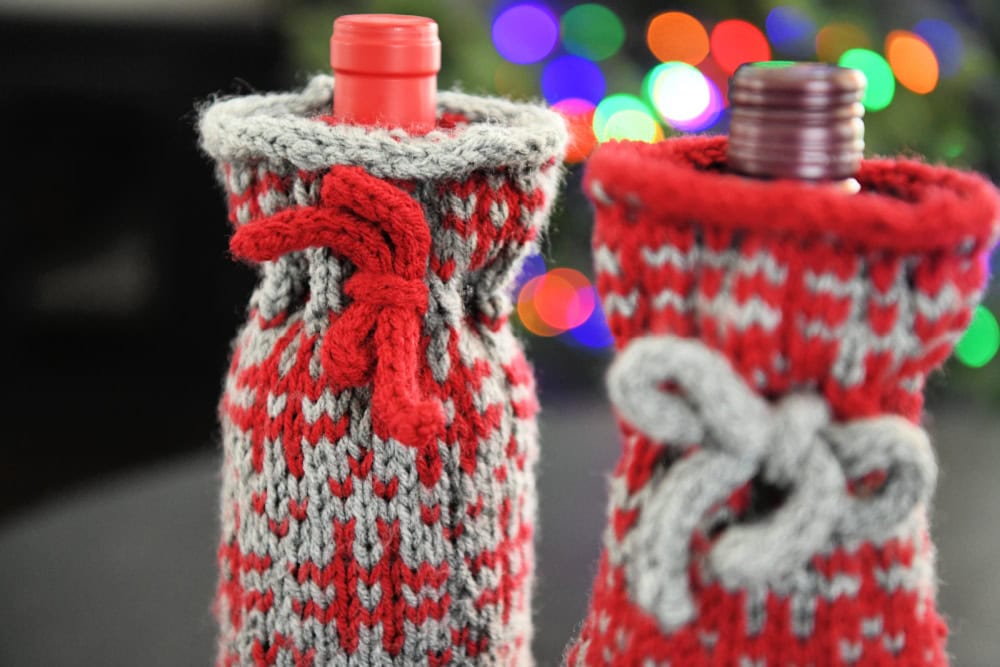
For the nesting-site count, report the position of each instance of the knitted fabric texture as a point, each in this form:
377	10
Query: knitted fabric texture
773	341
378	419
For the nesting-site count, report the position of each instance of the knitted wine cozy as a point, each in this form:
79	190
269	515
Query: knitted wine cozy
378	493
773	339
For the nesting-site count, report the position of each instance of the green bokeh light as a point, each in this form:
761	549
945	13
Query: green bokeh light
592	31
981	340
632	125
881	81
650	79
954	149
615	104
774	64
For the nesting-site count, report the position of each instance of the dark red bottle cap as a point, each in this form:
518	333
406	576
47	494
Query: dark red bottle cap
385	70
801	120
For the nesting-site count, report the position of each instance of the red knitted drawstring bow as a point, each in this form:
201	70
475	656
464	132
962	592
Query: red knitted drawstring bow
382	231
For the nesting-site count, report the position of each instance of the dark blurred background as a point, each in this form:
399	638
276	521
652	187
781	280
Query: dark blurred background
119	297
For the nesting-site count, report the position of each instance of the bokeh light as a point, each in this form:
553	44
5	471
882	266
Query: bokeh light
564	298
716	75
775	64
579	116
572	76
557	301
709	116
677	36
836	38
683	96
625	116
525	33
953	148
632	125
646	88
592	31
912	61
594	332
946	42
881	82
528	314
981	341
532	267
688	92
735	42
792	32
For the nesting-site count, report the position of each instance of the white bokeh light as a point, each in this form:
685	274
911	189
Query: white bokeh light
680	92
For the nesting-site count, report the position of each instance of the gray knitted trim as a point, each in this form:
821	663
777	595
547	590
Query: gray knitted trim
283	127
793	443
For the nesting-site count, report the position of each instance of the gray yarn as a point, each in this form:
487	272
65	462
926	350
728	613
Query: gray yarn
281	128
792	444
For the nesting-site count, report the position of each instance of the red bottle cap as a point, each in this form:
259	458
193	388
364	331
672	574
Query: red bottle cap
385	68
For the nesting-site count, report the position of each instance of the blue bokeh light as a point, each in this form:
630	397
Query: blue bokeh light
594	332
533	266
946	43
720	125
525	33
791	32
572	76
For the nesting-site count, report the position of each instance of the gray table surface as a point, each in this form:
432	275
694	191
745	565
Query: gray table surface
122	572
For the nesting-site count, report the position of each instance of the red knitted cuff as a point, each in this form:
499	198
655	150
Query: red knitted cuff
798	285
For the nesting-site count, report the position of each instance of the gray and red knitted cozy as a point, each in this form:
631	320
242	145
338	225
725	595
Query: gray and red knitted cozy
378	419
773	338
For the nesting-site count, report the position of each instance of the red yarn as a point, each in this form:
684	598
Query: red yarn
930	224
376	339
930	207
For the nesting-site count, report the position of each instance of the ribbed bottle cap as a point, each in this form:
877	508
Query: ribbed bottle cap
801	120
385	44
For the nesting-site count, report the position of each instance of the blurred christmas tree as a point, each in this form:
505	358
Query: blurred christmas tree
647	71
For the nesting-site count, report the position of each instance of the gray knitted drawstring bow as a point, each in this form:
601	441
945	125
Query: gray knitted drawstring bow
791	443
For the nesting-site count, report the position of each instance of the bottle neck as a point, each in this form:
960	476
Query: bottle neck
407	102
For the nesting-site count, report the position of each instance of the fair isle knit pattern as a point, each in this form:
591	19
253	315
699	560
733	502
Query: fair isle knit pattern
378	420
773	338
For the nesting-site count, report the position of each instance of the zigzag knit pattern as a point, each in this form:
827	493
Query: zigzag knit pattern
378	420
774	339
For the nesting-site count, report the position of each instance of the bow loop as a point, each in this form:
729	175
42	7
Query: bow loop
385	208
376	339
792	444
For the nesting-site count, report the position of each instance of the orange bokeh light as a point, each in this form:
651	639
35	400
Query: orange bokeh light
836	38
551	300
579	117
528	313
735	42
677	36
912	61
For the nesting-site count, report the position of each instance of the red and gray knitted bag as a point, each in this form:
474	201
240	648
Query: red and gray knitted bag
773	341
378	419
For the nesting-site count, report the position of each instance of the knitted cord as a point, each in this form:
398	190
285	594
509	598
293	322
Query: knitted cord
382	231
792	444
